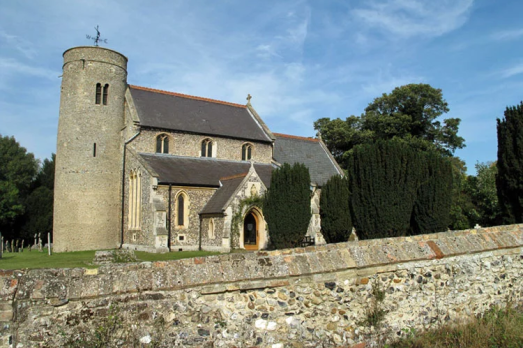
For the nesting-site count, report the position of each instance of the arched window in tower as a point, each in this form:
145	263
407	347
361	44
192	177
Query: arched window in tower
182	213
246	152
98	98
211	229
106	93
162	143
206	150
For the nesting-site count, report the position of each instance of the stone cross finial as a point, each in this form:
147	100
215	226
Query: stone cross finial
249	97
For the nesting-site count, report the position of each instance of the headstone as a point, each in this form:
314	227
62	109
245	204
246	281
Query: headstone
35	243
477	226
353	236
22	248
39	242
49	243
6	246
1	246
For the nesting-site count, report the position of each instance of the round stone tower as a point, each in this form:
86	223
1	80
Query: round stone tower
87	194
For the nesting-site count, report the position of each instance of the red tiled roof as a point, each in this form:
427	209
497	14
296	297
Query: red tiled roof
187	96
295	137
234	176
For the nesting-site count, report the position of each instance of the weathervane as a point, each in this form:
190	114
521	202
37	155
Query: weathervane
96	39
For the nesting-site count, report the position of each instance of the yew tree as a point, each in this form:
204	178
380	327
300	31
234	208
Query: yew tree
336	222
287	205
509	180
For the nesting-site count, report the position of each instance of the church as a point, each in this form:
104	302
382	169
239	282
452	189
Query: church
152	170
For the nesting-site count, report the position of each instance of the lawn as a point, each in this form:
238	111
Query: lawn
36	259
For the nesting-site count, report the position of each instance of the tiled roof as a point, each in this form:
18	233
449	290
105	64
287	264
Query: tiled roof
309	151
280	135
186	96
216	204
175	111
203	171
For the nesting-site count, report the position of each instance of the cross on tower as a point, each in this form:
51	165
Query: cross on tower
96	39
249	99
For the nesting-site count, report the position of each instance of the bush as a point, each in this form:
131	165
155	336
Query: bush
431	211
336	222
510	164
287	206
383	184
397	190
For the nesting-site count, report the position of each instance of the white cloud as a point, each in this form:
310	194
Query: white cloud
410	18
513	70
10	65
19	44
507	35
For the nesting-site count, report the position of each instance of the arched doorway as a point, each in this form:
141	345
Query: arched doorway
250	232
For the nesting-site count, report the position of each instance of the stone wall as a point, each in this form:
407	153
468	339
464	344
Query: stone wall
318	296
187	237
184	144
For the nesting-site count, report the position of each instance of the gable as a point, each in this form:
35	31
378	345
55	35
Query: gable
166	110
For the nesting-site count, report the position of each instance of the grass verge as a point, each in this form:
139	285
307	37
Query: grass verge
36	259
497	328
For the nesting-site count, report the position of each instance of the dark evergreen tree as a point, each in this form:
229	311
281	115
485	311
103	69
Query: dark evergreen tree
17	171
336	222
287	206
509	180
431	211
38	216
383	180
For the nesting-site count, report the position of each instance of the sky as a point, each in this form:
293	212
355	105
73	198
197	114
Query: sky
300	60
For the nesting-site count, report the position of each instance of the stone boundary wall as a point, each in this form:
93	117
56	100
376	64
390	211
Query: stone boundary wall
303	297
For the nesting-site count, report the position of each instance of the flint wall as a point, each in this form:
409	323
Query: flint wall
315	295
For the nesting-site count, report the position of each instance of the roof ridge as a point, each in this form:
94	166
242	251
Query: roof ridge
296	137
187	96
242	175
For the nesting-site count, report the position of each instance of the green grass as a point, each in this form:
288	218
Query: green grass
143	256
497	328
36	259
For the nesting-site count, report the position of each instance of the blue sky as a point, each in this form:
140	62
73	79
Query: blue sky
300	60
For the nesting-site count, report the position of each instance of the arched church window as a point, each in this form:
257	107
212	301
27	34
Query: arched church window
246	152
98	98
162	143
106	93
135	195
182	212
206	150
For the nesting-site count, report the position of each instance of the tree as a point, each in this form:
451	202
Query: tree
409	113
463	213
509	181
482	190
287	206
431	211
336	222
383	180
17	170
38	217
